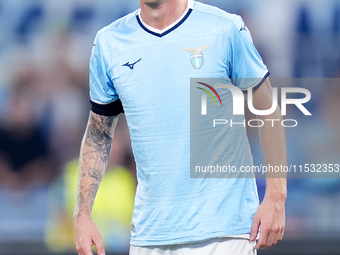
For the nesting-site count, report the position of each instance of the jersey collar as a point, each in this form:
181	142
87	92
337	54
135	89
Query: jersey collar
170	28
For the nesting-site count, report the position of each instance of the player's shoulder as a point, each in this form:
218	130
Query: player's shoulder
216	14
119	26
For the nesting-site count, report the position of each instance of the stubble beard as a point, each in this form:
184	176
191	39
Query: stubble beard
154	4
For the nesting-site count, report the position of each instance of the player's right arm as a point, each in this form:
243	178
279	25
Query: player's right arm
94	155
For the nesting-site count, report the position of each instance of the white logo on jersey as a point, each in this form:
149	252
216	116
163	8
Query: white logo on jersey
197	56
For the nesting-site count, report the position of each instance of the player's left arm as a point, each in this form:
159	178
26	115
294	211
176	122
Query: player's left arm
270	215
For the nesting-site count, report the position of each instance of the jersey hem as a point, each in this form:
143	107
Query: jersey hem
184	240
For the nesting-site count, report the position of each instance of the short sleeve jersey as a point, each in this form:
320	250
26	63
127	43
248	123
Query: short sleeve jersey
146	73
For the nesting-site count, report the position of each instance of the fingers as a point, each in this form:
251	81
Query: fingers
273	237
84	247
263	239
269	236
87	235
254	229
281	233
97	240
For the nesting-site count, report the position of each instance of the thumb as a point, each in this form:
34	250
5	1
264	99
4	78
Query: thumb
254	229
97	240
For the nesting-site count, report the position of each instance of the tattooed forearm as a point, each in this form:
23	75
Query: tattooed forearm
80	198
99	135
94	155
96	174
91	193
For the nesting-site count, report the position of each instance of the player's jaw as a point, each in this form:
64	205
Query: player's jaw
153	4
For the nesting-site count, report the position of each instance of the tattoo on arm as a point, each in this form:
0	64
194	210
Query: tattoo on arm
99	135
96	174
94	155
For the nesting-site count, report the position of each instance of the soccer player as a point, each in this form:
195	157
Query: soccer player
142	64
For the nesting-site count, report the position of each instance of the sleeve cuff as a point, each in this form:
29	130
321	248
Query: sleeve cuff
111	109
258	85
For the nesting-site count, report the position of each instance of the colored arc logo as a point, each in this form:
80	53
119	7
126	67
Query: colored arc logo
209	93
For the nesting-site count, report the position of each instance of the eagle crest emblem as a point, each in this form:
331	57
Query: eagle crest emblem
197	59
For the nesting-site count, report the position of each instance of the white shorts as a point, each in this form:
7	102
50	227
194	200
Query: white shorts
216	246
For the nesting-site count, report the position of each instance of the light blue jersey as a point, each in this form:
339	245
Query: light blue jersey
149	72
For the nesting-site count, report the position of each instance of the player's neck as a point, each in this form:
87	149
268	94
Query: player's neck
164	15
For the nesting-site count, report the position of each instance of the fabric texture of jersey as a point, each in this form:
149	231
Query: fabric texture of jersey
149	71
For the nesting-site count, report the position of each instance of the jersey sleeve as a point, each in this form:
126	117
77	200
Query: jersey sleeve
246	67
103	95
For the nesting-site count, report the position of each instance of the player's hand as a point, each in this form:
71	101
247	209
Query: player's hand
87	235
271	217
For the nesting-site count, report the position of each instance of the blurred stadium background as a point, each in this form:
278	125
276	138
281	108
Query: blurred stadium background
45	47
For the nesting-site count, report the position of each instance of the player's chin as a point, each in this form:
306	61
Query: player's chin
153	4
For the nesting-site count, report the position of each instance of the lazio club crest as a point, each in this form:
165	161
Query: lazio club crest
197	59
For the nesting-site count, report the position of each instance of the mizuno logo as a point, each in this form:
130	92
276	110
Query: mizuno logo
132	66
244	28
